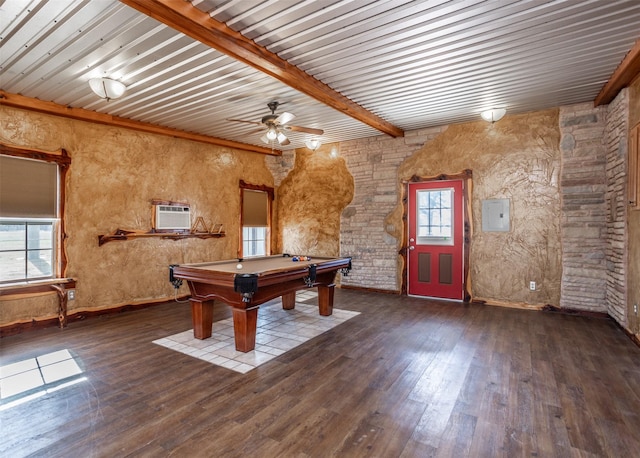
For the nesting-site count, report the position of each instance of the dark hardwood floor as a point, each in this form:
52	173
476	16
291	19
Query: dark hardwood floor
406	377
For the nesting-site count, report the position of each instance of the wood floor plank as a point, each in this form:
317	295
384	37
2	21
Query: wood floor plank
488	439
397	421
457	437
581	426
551	431
360	440
406	377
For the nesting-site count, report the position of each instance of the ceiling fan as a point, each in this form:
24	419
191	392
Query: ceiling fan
276	124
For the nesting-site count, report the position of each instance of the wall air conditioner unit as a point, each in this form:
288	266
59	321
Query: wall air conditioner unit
172	217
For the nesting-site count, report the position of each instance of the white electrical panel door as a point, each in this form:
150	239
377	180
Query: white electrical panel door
495	215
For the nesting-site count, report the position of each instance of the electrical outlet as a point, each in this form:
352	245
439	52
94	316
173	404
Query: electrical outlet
635	309
532	285
71	294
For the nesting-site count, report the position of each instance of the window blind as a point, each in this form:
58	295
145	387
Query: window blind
254	208
28	188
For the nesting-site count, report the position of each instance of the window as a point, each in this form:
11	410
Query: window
255	220
30	209
435	216
26	250
254	241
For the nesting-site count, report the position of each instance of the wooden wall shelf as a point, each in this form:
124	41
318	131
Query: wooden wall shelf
121	234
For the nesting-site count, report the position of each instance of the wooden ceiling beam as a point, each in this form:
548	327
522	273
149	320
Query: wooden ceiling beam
28	103
626	72
186	18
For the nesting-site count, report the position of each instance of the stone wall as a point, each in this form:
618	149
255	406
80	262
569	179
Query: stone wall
280	166
617	208
583	188
364	235
633	253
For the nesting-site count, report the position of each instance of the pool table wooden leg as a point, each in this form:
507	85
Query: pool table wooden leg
245	322
325	299
289	301
202	317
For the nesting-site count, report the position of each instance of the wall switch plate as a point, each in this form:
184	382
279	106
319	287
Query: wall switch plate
532	285
71	294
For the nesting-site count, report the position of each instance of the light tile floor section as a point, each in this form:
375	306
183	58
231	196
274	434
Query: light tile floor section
278	331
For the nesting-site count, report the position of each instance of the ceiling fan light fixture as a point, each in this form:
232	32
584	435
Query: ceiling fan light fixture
313	144
493	115
107	88
282	139
272	133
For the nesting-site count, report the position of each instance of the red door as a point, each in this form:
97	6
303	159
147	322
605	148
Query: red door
436	246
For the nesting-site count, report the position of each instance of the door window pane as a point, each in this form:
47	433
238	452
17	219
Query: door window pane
435	212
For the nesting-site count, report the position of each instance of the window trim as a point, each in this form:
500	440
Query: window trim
245	240
63	160
270	196
25	223
439	240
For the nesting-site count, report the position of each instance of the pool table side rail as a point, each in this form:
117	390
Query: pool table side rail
206	273
207	284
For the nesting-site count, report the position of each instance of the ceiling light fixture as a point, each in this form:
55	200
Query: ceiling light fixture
107	88
313	144
272	133
282	138
493	115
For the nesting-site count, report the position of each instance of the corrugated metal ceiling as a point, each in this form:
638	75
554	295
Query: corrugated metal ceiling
414	64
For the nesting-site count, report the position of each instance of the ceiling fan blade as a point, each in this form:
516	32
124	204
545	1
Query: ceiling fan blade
306	130
282	139
242	120
284	118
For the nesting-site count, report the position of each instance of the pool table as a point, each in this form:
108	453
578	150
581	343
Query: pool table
244	284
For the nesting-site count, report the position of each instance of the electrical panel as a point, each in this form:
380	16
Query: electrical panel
495	215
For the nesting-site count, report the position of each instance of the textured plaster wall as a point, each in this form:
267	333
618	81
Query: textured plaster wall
518	159
310	199
114	175
633	276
